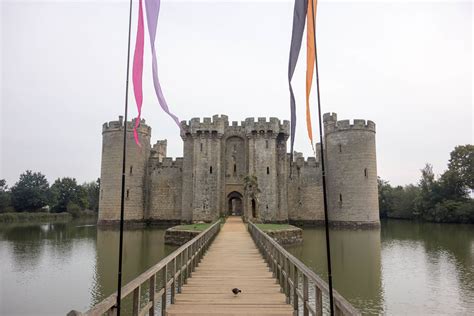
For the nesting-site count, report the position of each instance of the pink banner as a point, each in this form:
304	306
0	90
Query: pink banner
137	71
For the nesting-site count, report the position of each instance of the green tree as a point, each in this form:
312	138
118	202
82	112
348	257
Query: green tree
404	201
429	193
30	193
385	197
93	190
452	186
461	164
65	191
397	202
5	196
444	200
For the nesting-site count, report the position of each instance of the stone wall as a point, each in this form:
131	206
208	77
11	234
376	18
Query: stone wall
351	170
288	236
305	194
111	171
282	177
164	189
179	237
263	163
188	176
159	150
207	186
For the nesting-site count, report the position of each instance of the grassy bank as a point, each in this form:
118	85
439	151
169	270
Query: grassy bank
273	227
23	217
194	227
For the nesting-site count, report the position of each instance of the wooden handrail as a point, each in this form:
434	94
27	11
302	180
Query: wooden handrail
295	278
188	256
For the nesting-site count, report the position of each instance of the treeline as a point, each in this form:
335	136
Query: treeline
32	193
443	199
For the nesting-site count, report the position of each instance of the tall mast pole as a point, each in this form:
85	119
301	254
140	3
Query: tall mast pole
323	170
122	196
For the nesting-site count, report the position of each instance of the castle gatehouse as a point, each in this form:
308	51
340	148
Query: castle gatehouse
240	168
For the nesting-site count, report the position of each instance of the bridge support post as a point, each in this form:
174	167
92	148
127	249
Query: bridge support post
151	292
163	296
295	288
305	296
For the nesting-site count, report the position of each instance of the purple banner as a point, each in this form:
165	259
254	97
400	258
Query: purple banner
152	12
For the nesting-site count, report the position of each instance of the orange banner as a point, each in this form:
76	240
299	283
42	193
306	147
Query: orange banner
310	62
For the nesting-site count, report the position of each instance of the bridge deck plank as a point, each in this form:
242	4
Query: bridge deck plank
232	261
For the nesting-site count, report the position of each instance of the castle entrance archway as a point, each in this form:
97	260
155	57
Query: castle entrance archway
235	204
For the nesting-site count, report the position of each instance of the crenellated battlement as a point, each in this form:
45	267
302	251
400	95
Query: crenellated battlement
214	125
167	162
262	125
331	124
218	124
114	126
302	162
330	117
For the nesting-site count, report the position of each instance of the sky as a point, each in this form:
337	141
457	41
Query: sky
406	65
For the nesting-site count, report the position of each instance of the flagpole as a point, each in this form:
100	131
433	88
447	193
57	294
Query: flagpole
326	219
122	195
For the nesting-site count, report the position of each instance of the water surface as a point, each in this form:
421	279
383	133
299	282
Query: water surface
404	268
49	269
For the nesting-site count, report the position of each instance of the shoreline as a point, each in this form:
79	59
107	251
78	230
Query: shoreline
41	217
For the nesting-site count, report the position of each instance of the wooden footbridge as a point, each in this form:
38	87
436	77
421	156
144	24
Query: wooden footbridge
198	278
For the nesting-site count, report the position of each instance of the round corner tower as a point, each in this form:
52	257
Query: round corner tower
351	171
111	171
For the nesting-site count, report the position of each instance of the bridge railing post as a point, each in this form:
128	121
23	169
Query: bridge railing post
305	295
319	300
186	266
287	280
136	301
164	295
151	293
173	284
295	288
180	277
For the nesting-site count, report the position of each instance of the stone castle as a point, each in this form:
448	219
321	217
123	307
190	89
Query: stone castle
241	168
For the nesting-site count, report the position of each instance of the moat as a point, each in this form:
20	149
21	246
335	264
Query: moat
404	268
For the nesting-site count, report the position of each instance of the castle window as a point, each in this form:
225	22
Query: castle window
131	170
128	193
254	209
266	144
268	170
210	170
101	194
340	148
235	168
201	146
340	198
366	174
